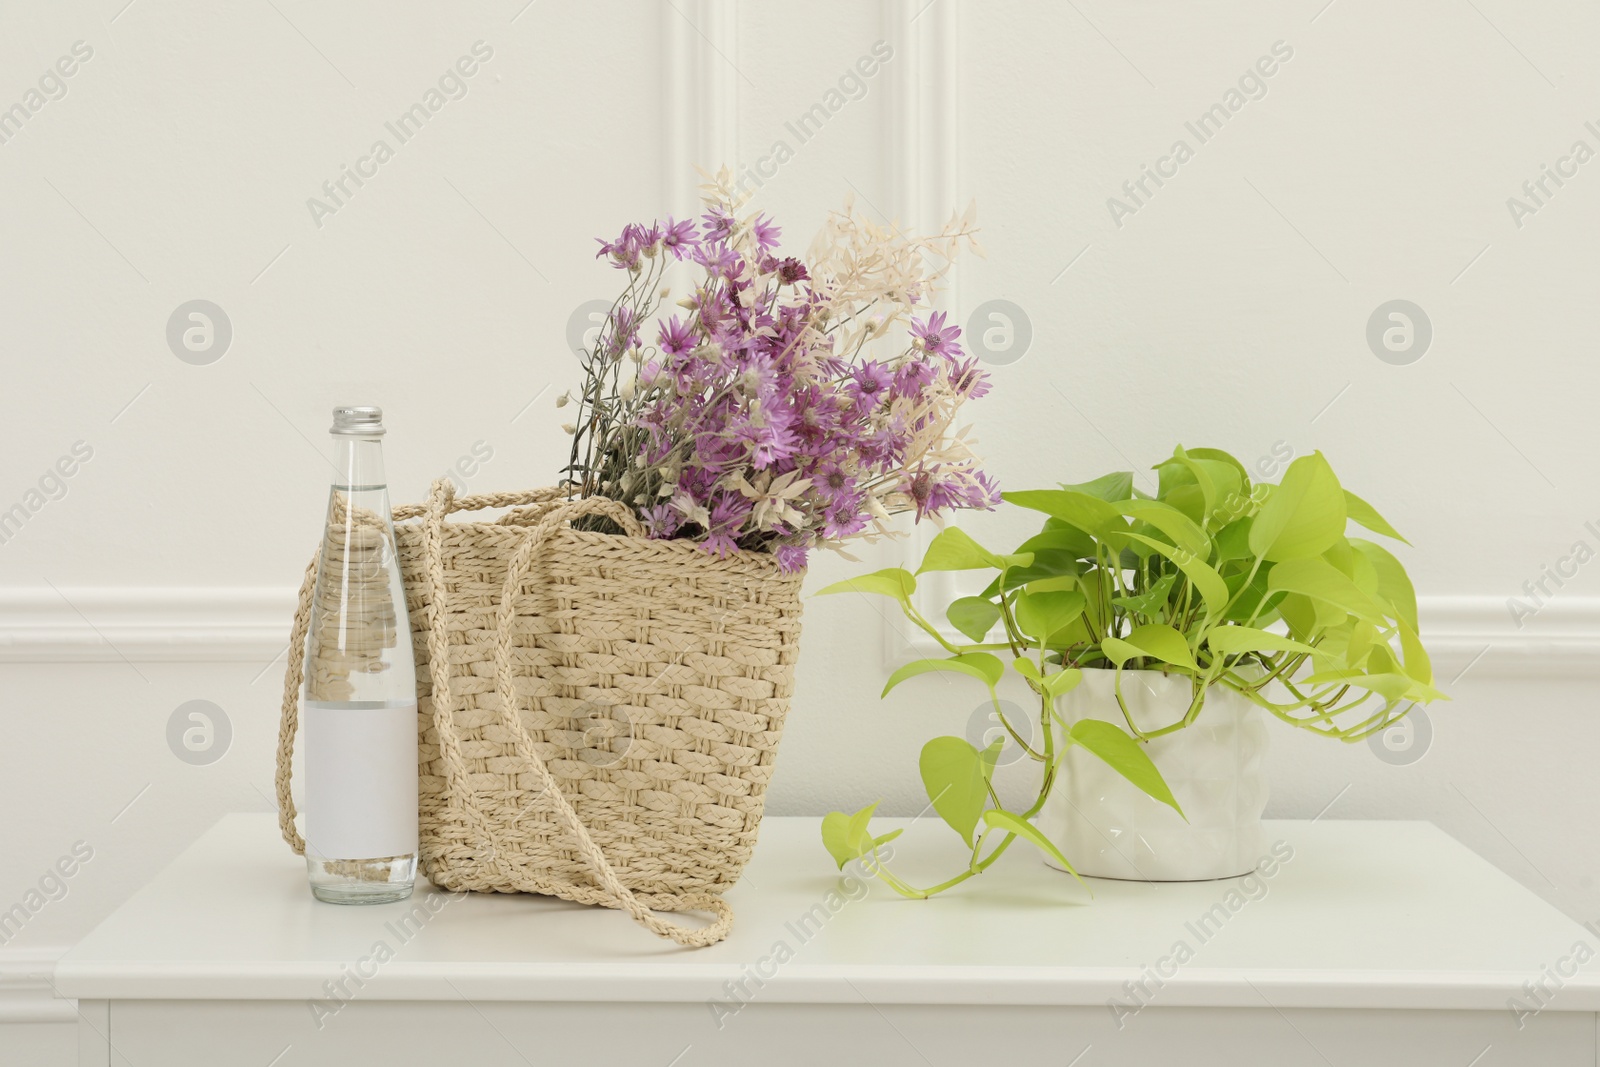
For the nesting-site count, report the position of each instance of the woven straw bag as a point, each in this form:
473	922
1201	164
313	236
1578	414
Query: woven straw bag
598	713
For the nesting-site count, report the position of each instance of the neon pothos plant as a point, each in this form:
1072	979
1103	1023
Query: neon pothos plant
1255	587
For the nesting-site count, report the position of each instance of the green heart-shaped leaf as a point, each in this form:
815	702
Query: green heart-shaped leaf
1042	615
1160	641
980	665
894	582
974	616
1231	640
953	550
1321	581
1124	755
1366	515
1303	516
956	776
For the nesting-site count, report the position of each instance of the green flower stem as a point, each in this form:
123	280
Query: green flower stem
1318	701
1187	719
1348	734
1103	595
932	631
1255	566
1013	631
1316	705
977	866
1046	709
1133	728
995	700
1186	611
1385	720
1288	665
879	870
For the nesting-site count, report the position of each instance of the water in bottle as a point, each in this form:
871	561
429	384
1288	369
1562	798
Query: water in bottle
360	706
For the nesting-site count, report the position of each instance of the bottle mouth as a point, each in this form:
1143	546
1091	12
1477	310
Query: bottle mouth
354	420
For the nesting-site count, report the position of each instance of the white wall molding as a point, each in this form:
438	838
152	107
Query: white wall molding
251	624
699	96
923	168
1480	634
923	120
160	624
26	993
1463	634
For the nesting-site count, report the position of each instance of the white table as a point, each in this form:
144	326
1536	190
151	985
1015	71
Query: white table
1376	943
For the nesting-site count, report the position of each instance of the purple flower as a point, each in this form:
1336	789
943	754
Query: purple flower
728	515
766	233
730	511
913	376
677	338
769	444
661	521
718	260
919	486
791	271
844	519
968	380
936	337
713	308
986	492
719	224
933	490
624	251
624	330
791	558
816	423
834	482
719	544
871	383
677	237
886	445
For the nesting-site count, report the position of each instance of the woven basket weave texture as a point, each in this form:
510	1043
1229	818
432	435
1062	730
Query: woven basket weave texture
653	680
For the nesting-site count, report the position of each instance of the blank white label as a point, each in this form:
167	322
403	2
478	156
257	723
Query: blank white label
361	781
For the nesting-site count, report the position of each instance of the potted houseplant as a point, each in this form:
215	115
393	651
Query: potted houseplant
1157	633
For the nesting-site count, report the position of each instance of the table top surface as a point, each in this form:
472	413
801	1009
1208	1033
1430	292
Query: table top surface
1354	915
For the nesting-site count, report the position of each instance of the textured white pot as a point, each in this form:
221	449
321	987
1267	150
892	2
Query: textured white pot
1216	769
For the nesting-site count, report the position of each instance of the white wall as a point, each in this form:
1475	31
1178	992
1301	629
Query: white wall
1229	310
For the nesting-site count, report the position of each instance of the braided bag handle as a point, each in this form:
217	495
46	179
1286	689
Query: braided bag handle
294	675
623	897
289	721
539	498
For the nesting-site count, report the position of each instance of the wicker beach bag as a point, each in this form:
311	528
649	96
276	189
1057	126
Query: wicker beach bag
598	713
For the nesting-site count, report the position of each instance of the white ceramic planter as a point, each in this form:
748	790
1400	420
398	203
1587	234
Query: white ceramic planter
1216	768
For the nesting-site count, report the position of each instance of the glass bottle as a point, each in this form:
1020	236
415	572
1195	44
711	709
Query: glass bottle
360	706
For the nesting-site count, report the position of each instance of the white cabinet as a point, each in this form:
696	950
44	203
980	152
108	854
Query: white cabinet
1368	943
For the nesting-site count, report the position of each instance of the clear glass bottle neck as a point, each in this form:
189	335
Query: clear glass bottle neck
359	461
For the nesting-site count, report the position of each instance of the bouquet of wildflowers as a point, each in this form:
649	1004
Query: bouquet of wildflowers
751	417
